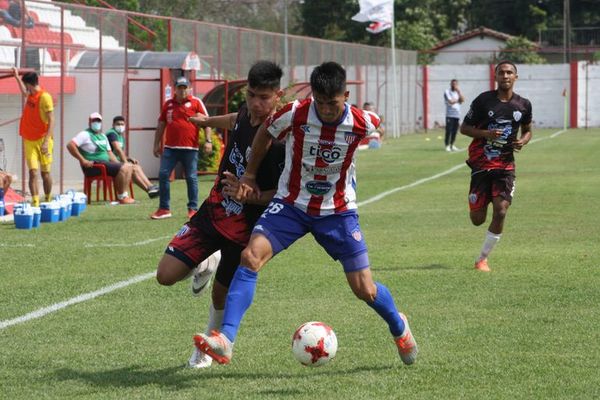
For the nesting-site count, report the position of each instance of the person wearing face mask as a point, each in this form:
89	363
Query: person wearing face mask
36	128
117	143
90	147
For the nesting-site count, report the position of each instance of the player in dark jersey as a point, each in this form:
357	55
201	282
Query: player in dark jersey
493	122
222	223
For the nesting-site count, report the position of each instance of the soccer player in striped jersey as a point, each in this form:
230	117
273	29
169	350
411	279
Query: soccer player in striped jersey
493	122
316	195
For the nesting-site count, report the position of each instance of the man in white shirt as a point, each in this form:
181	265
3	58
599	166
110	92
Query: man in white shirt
453	99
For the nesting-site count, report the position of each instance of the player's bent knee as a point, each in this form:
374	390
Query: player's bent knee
477	218
250	259
500	214
170	271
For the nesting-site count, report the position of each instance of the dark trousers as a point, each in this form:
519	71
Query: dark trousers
451	129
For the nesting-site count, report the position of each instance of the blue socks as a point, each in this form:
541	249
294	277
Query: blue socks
239	298
384	306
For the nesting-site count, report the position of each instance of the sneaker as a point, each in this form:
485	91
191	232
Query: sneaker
161	213
407	346
203	272
199	360
448	148
454	148
191	213
127	200
482	265
153	191
216	345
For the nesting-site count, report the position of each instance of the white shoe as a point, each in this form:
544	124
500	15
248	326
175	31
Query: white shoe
454	148
203	272
199	360
448	148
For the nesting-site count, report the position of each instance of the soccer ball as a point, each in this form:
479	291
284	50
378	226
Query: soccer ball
314	344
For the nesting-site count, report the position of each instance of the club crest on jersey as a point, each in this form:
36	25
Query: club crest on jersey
318	188
349	137
305	128
357	235
473	198
517	115
490	113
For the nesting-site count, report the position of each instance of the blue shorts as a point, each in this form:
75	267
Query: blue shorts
339	234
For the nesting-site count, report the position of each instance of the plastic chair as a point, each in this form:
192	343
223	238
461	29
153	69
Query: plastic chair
101	180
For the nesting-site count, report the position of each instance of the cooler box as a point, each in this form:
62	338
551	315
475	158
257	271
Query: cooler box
50	211
24	218
79	204
37	217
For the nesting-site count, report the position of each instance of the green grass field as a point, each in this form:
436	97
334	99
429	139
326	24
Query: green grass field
527	330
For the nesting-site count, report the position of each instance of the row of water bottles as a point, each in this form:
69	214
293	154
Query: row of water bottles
62	208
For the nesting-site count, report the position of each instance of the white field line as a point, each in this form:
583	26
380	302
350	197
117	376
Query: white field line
78	299
142	243
140	278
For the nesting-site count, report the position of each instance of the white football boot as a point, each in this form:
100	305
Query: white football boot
203	272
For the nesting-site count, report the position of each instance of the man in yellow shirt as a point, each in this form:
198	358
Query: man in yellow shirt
36	129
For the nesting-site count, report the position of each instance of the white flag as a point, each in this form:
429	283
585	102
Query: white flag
375	11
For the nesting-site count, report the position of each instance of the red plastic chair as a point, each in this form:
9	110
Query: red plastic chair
106	182
101	180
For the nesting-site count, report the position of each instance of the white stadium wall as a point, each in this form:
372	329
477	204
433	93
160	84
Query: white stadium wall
544	85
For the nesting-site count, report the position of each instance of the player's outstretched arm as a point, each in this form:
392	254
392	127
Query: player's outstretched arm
22	87
226	121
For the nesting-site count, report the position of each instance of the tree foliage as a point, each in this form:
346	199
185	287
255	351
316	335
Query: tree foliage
520	50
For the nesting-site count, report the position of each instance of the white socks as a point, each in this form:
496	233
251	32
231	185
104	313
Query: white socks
122	196
488	244
215	318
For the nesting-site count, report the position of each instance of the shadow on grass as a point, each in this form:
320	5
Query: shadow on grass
183	378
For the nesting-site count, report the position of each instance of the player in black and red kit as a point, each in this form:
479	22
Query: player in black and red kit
493	122
223	223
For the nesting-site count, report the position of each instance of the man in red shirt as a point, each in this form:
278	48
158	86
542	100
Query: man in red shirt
180	145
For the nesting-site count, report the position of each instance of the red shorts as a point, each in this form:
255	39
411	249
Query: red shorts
193	244
487	184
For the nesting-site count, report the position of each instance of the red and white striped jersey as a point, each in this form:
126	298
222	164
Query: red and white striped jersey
319	174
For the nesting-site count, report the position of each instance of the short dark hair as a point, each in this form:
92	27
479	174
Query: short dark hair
328	79
30	78
265	75
118	118
505	62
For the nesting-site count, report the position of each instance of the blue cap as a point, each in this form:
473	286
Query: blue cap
182	81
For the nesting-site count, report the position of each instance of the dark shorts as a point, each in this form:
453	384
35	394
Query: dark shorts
339	234
192	245
487	184
112	169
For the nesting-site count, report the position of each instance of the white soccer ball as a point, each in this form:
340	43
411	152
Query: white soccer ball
314	344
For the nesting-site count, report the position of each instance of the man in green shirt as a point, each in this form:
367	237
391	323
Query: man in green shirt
91	147
117	143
